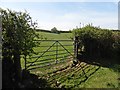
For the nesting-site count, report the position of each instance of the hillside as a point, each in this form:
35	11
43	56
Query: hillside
53	36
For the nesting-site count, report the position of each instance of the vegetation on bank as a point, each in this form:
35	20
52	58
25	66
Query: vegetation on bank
97	42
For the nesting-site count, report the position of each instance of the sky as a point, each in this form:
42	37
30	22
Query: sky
68	15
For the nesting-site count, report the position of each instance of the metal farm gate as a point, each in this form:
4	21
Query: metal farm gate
51	52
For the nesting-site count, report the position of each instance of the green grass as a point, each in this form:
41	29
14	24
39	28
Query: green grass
63	75
44	45
53	36
104	78
73	77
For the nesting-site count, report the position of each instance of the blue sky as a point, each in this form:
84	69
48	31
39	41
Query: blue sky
68	15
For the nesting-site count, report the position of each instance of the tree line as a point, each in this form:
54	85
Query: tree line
53	30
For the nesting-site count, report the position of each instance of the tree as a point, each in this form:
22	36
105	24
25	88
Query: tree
54	30
18	34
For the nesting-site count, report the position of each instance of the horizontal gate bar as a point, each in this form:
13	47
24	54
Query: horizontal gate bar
42	54
48	59
40	63
47	55
47	65
40	60
55	46
53	50
54	40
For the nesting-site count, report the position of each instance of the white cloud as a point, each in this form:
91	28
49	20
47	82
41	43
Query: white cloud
71	20
67	21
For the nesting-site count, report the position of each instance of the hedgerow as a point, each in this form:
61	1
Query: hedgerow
97	42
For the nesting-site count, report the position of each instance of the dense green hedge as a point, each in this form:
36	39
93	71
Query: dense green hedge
116	45
97	42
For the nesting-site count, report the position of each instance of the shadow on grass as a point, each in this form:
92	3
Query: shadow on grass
81	75
30	80
111	62
87	74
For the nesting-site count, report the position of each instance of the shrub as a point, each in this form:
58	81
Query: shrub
95	41
18	33
116	45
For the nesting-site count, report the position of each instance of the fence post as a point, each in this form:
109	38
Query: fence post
56	51
76	48
25	62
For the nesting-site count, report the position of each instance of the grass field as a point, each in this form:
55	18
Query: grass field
64	76
53	36
83	75
50	55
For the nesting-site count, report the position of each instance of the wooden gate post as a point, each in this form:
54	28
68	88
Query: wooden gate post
25	62
75	49
56	52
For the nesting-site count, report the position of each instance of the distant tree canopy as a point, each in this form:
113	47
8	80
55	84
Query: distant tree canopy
18	33
54	30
